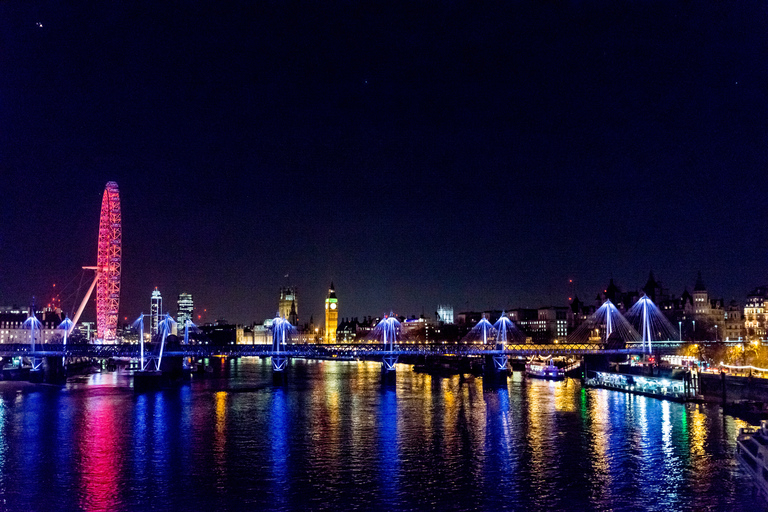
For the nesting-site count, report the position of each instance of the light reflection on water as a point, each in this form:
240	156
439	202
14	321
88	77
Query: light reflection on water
333	438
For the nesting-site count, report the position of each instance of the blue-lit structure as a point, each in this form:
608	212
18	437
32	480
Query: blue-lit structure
66	325
505	331
166	328
482	332
388	331
646	317
603	325
282	333
33	323
187	324
139	324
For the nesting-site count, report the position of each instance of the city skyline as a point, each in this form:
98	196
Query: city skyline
202	316
411	156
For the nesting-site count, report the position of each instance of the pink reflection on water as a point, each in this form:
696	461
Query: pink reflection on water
99	455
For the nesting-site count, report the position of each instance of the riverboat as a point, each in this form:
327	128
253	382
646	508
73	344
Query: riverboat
752	452
544	370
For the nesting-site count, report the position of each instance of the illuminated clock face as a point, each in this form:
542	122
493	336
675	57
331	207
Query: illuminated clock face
326	305
333	305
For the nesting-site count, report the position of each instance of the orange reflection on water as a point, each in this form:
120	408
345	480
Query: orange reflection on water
540	425
365	377
565	398
698	431
598	431
99	454
220	438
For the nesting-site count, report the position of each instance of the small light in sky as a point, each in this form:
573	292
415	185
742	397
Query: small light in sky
39	24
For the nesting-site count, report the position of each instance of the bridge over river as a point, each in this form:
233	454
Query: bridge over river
310	350
50	361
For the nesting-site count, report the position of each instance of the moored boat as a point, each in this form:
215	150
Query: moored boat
544	370
752	452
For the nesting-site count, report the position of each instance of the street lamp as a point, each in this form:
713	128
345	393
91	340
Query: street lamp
680	329
694	330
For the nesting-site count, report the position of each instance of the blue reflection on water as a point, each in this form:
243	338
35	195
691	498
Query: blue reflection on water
161	433
388	445
501	460
278	434
141	454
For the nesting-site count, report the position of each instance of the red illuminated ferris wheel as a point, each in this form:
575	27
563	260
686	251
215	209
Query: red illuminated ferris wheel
108	263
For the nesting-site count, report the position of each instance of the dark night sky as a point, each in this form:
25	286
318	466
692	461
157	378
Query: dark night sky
434	152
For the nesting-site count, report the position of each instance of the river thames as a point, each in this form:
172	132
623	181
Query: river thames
333	438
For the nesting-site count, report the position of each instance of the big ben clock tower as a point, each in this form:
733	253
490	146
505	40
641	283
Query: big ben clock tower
331	315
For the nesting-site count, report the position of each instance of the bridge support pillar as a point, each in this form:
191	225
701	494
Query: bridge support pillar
388	371
53	371
279	362
36	375
170	374
495	370
500	363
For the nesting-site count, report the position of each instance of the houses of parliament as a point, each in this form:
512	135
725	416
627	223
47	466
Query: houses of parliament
288	306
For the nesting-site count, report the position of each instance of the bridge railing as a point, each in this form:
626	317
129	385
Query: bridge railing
302	350
360	350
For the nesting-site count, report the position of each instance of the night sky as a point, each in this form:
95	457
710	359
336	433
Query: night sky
431	152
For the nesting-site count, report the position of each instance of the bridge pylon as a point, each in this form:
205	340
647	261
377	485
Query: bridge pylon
388	370
387	331
495	369
282	333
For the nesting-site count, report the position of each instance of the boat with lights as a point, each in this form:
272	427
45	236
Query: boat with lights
544	370
752	452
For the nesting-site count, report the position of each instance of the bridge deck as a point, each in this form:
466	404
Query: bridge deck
317	350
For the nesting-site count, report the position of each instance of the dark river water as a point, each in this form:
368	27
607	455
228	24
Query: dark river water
333	439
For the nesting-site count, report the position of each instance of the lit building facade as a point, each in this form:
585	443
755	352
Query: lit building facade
709	313
12	328
288	303
543	325
445	314
184	308
331	315
734	322
156	309
754	312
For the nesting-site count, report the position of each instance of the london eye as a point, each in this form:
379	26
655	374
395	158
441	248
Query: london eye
108	266
108	262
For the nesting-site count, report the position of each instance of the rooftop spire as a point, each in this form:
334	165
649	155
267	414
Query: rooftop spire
699	286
